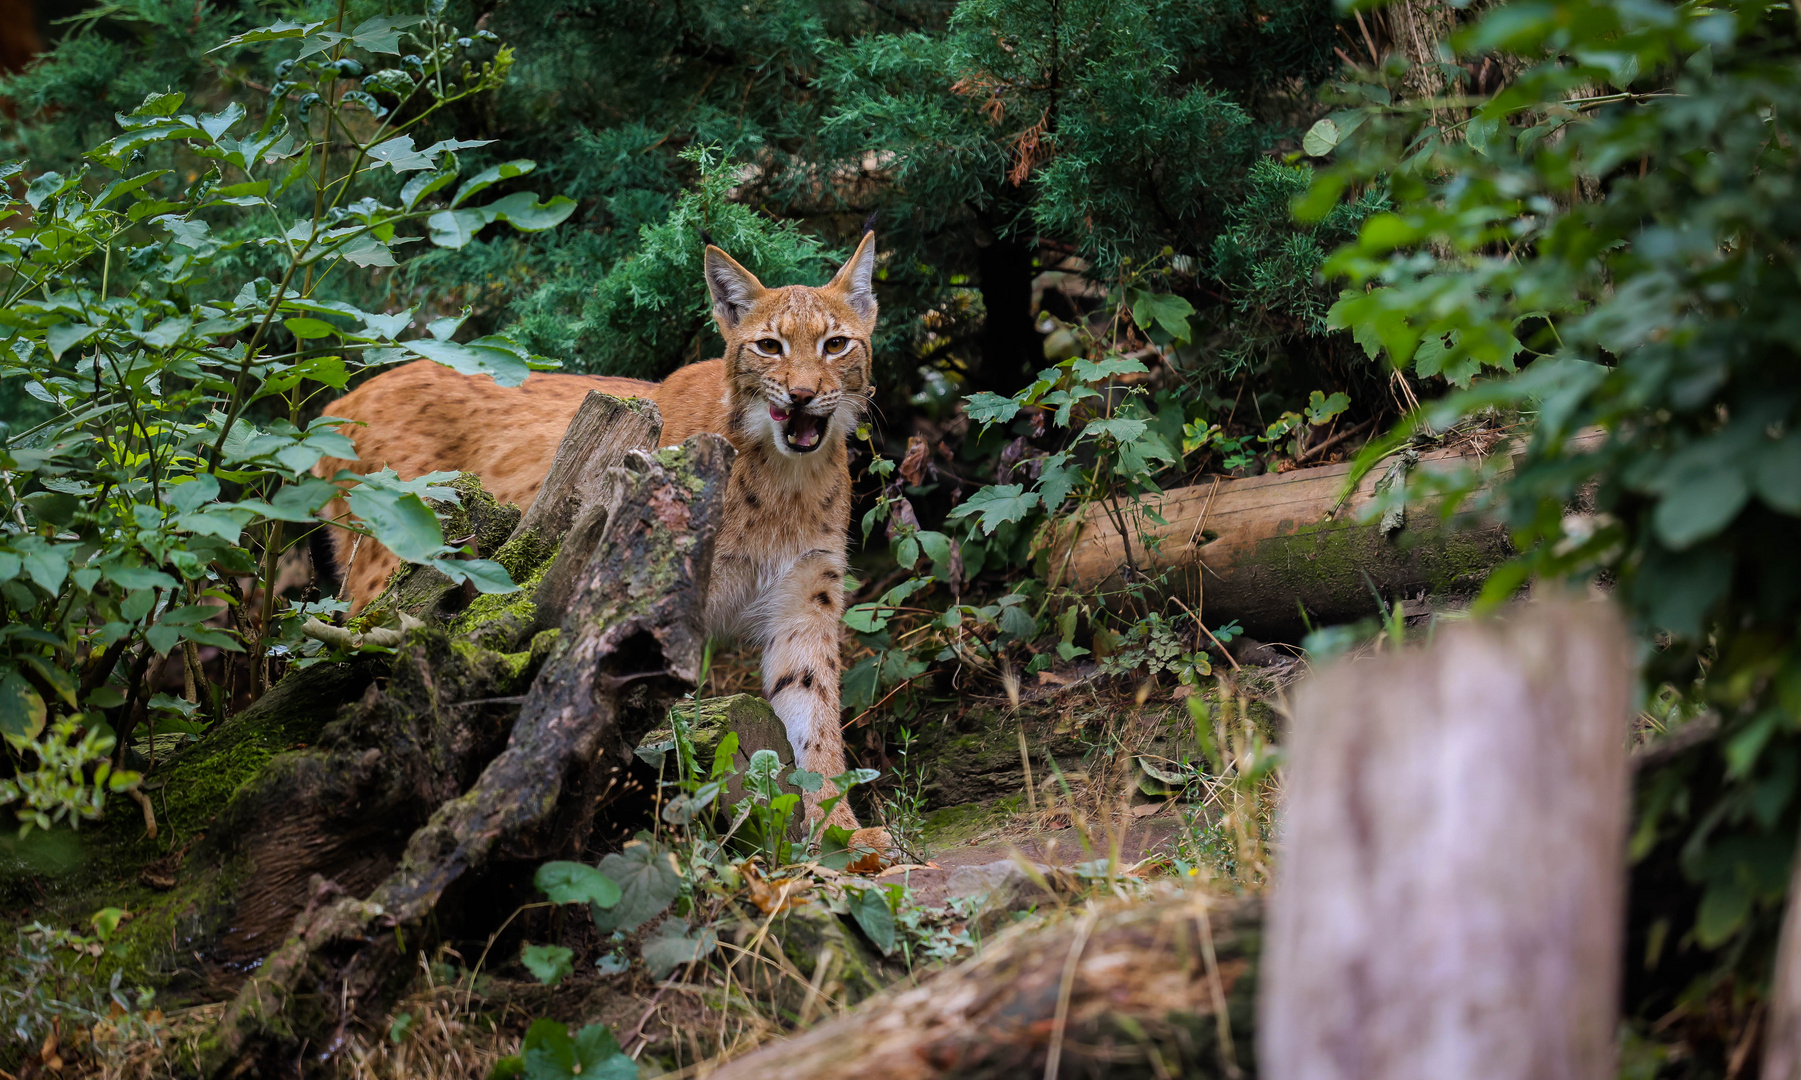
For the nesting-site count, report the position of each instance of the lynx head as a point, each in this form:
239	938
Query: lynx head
798	358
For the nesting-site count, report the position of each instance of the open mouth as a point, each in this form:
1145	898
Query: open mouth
802	430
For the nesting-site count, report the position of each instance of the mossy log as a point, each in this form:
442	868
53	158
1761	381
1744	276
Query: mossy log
1164	987
1260	549
633	618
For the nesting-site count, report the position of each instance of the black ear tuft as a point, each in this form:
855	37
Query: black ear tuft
706	238
869	222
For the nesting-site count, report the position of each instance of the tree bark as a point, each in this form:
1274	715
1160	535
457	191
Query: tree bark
634	615
1261	549
1782	1044
1159	988
1450	896
605	428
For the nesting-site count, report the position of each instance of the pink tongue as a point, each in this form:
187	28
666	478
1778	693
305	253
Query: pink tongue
807	435
778	415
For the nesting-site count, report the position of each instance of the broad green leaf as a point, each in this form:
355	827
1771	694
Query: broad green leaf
382	33
1321	408
873	916
986	408
1121	429
1321	139
524	212
1094	371
648	882
549	963
1699	507
672	946
487	575
21	707
455	228
279	30
550	1053
400	521
997	504
64	336
490	176
576	883
508	368
309	329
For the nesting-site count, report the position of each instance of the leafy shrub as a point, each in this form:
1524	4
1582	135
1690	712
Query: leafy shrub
175	467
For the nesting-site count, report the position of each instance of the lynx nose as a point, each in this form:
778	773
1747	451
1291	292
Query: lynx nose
798	396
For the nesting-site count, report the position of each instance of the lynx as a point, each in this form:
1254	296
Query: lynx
793	382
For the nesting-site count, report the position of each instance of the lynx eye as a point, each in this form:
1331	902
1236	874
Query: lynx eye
836	344
770	345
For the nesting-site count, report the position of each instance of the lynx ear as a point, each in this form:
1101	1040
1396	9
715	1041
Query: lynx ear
856	279
734	289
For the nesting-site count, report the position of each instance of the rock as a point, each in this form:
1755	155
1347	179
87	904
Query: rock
998	889
707	721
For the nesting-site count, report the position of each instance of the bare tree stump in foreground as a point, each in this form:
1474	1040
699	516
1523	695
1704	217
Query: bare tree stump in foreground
1782	1046
1159	988
1449	899
633	614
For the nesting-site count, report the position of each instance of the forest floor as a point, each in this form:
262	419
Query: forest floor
1020	810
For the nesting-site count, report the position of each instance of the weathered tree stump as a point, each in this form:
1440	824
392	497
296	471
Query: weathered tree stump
1449	896
634	615
1782	1046
604	430
1159	988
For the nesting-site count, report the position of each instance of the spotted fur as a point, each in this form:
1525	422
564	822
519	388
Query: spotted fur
792	384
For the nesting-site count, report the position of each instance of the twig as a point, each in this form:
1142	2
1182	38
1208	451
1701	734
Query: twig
1313	451
143	801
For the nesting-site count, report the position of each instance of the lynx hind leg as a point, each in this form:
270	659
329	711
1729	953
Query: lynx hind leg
800	672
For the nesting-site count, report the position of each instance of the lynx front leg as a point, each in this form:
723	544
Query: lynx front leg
800	671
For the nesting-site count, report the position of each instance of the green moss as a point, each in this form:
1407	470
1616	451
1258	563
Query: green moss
499	620
1331	562
955	824
524	555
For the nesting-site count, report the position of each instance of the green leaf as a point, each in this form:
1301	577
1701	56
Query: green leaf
548	962
419	187
277	31
672	946
1321	408
648	882
873	916
64	336
400	521
506	367
455	228
1122	429
1698	507
549	1053
576	883
22	710
986	408
998	504
1321	139
1777	469
382	33
487	575
867	618
309	329
1094	371
490	176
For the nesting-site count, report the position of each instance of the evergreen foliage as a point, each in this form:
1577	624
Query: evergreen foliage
1662	310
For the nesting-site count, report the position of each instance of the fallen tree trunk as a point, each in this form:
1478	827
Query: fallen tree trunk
1260	549
1159	988
634	614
